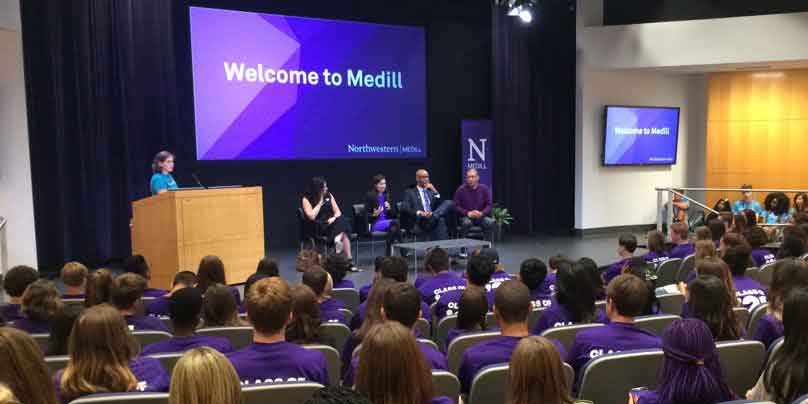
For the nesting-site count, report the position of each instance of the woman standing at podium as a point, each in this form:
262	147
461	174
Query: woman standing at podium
321	208
161	180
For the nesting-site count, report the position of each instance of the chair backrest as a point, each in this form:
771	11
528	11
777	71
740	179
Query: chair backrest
338	332
334	361
741	361
348	296
455	351
73	302
446	384
239	337
742	314
755	317
752	272
667	271
490	320
608	378
802	400
423	327
534	315
429	342
148	337
490	385
657	323
671	303
348	315
360	220
168	360
42	341
167	321
765	274
287	393
56	363
688	263
566	334
600	305
445	325
775	347
127	398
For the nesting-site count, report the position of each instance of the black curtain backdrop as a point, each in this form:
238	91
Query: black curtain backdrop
109	85
534	116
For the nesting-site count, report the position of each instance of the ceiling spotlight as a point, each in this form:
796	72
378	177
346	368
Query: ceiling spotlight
520	8
526	16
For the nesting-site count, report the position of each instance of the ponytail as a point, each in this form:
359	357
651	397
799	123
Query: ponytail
99	286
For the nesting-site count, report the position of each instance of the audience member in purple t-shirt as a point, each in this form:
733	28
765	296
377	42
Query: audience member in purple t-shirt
511	305
473	307
443	280
270	359
532	273
626	245
127	289
10	312
574	301
478	274
40	302
15	282
74	276
211	272
656	248
320	283
750	293
757	238
627	297
680	237
789	274
552	267
338	267
137	264
709	301
150	375
499	274
161	306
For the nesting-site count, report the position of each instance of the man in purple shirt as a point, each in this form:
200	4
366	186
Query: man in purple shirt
499	274
394	268
185	309
321	284
364	291
74	277
511	307
749	291
402	303
161	306
532	273
127	289
270	359
472	201
626	245
626	296
549	283
443	280
478	274
17	279
680	237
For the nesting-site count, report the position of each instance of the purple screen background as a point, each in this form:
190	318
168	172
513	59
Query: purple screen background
640	149
261	121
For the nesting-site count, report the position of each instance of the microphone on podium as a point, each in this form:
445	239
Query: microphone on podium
197	181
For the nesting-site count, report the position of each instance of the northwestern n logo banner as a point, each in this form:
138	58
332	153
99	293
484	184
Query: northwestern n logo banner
477	141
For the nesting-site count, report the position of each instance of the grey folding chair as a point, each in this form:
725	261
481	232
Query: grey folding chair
608	378
422	325
756	315
742	315
148	337
566	334
446	384
286	393
168	360
802	400
42	340
168	323
339	332
775	347
126	398
430	343
656	324
348	315
752	272
348	296
333	358
667	271
600	305
143	303
445	325
239	337
454	354
741	361
56	363
687	266
765	274
490	320
671	303
489	385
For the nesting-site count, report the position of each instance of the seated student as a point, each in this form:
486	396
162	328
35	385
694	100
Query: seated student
716	267
553	263
478	273
626	245
394	268
626	297
499	274
137	264
656	248
511	307
536	374
750	293
270	358
784	379
372	316
592	269
162	305
532	273
717	230
185	310
574	301
305	325
338	267
74	277
789	274
793	244
391	368
211	272
204	376
15	282
703	233
691	372
320	283
402	305
746	202
471	312
251	280
306	258
707	301
268	266
777	209
443	280
127	289
23	368
219	308
61	326
364	291
40	302
103	359
99	283
680	237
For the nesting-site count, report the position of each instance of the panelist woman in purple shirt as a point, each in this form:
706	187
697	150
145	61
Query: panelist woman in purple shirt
381	210
472	201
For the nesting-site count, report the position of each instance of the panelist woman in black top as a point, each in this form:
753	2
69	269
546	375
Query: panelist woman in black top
381	211
321	208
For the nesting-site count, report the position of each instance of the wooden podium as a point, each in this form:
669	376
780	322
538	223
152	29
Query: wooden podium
174	230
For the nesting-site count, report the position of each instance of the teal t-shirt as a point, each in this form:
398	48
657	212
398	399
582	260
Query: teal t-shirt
160	181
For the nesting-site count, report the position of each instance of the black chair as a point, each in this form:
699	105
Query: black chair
308	234
363	231
409	231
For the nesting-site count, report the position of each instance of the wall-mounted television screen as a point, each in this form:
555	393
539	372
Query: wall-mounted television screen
640	135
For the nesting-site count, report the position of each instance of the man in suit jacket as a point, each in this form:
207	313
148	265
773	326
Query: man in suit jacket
423	203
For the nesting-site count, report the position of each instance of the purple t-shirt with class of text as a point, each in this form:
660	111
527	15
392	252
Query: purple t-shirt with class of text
436	360
448	303
145	323
548	286
768	330
682	250
161	306
750	293
539	299
278	362
614	270
439	284
497	279
32	326
359	316
763	256
182	344
150	375
558	316
656	257
11	312
613	337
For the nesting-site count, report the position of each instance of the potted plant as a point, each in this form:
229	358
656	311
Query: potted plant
502	217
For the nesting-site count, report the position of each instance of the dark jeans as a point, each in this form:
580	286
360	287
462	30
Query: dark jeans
436	225
485	222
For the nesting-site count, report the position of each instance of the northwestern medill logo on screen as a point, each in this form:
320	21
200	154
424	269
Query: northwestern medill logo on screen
476	157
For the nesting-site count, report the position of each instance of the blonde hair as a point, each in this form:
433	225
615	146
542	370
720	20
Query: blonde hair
7	396
204	376
535	374
41	300
704	249
74	274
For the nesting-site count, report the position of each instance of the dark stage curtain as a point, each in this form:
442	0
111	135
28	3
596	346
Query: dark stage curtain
102	100
534	116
